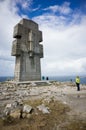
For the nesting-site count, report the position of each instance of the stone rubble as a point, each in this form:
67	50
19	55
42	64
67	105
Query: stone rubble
12	97
44	109
15	92
17	110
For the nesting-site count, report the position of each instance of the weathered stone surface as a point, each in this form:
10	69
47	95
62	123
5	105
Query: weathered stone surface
27	50
27	108
28	116
43	108
16	113
8	105
24	115
67	94
6	112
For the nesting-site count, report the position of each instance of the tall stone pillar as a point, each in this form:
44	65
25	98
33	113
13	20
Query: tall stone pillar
27	50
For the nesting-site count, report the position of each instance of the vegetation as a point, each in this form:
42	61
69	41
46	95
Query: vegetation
57	119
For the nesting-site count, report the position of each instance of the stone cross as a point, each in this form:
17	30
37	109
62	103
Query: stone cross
27	50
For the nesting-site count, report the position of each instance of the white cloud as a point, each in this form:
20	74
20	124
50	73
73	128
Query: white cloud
35	9
25	4
7	68
63	9
8	18
64	45
64	40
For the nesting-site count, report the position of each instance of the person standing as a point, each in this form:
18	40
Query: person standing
78	83
43	78
47	78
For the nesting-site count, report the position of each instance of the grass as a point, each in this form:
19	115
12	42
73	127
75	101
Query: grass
39	121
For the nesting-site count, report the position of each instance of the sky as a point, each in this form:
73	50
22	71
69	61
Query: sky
63	24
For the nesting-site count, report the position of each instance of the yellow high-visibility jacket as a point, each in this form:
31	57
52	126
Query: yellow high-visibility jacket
77	80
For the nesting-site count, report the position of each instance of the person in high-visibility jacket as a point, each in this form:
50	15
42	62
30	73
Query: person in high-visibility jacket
78	83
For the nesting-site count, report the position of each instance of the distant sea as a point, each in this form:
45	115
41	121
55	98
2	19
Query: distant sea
2	79
68	78
56	78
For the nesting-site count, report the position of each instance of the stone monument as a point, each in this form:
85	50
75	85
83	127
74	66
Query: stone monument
27	50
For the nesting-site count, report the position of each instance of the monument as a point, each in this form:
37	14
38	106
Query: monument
27	49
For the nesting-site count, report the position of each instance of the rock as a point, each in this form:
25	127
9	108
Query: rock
7	97
27	108
7	109
15	104
65	102
33	84
13	109
43	108
24	115
17	110
20	102
6	112
9	105
15	114
28	116
21	93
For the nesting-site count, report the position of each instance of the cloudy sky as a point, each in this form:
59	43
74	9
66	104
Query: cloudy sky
63	23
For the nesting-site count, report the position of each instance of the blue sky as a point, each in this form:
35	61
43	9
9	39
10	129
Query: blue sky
38	7
63	23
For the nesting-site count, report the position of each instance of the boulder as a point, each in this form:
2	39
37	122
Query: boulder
27	108
43	108
16	113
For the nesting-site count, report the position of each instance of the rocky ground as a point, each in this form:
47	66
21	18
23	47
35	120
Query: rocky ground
42	106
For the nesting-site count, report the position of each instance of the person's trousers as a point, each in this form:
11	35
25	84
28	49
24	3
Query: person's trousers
78	86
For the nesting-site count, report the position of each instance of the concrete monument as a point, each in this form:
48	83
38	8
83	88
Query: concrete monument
27	50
